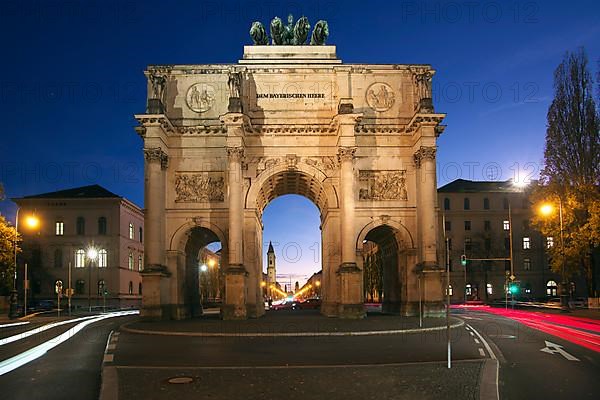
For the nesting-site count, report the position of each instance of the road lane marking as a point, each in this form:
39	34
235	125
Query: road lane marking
40	329
14	324
38	351
476	340
553	348
502	336
481	352
487	346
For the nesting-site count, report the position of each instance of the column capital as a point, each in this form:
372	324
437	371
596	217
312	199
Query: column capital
156	154
346	153
424	153
235	153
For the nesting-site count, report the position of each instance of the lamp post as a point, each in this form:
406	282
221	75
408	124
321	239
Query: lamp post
92	254
32	222
547	209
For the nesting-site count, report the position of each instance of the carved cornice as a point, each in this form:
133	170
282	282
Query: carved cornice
346	154
322	129
424	119
161	120
156	154
235	153
424	153
379	129
202	130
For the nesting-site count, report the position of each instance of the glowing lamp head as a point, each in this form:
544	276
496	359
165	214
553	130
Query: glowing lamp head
211	263
263	284
32	221
203	268
546	209
318	283
92	253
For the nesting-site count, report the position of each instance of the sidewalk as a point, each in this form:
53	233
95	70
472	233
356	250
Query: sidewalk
291	323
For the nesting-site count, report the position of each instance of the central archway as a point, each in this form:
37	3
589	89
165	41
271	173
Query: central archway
309	182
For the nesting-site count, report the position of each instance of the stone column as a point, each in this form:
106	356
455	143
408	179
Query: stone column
235	275
430	271
153	301
350	277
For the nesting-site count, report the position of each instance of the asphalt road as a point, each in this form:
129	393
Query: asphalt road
69	371
527	372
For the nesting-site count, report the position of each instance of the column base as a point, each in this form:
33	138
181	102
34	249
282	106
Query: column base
351	311
153	307
255	311
235	306
329	309
394	307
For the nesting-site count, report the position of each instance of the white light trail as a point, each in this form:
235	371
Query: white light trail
36	352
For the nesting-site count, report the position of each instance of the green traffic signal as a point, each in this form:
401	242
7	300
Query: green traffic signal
513	288
463	260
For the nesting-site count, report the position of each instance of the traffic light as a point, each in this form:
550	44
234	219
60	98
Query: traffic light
513	288
463	260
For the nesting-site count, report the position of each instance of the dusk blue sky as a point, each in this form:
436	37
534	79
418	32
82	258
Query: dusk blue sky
72	79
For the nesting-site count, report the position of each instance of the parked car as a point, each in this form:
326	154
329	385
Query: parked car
308	304
286	305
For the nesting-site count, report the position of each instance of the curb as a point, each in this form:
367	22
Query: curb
125	328
109	387
488	383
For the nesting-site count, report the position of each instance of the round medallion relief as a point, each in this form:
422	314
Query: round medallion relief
200	97
380	96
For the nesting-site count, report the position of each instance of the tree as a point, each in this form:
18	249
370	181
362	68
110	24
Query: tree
571	173
7	256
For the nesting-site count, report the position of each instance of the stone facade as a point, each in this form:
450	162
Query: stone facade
358	140
477	222
73	220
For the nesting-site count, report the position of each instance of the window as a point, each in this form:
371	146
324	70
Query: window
446	203
506	243
506	225
80	226
527	264
549	242
487	225
525	225
80	258
489	289
102	226
130	287
140	263
467	204
526	243
58	258
60	228
487	244
450	290
551	288
505	203
101	285
468	290
486	203
448	226
468	244
102	258
467	225
141	236
79	286
140	288
131	231
130	262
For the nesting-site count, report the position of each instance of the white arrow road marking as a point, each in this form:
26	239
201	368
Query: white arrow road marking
553	348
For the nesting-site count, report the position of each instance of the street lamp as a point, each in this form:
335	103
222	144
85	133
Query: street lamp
92	255
32	222
547	209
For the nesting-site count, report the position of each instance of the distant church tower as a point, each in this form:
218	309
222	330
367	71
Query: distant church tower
271	274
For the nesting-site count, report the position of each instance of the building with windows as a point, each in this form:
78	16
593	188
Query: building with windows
478	219
89	233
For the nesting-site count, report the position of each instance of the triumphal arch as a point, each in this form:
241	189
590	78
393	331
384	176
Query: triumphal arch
223	140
